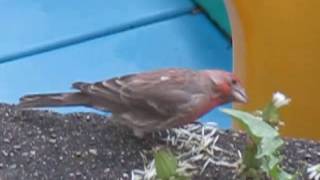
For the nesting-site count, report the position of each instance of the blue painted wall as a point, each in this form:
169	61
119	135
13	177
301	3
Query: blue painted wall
177	38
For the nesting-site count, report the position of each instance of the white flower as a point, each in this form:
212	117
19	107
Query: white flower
280	100
314	172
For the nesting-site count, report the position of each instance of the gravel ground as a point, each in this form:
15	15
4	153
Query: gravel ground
49	145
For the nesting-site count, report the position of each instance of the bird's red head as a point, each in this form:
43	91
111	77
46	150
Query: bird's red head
227	85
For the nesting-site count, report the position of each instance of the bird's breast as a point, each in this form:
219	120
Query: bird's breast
207	106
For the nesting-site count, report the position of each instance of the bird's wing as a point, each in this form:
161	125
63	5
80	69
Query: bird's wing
164	92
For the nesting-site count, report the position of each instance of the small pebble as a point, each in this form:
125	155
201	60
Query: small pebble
13	166
125	175
78	173
308	156
106	170
301	151
53	135
33	152
93	151
17	147
53	141
5	153
78	153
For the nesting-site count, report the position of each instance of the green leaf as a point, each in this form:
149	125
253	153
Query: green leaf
268	146
249	158
256	128
278	174
269	163
286	176
270	114
166	164
263	154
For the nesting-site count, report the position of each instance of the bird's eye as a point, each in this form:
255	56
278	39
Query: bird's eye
233	81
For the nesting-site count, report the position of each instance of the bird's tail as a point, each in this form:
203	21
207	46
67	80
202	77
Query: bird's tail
52	100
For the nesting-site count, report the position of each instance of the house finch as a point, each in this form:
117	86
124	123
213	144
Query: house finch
150	101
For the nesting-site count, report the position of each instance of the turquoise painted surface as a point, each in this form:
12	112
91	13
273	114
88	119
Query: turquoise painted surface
47	45
30	27
185	41
217	12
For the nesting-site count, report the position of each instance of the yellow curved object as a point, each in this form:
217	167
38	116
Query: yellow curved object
277	48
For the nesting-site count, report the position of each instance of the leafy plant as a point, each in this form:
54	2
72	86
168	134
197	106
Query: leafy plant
270	113
166	166
262	152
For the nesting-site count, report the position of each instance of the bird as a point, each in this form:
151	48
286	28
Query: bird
152	100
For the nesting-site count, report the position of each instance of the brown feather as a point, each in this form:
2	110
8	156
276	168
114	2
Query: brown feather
147	101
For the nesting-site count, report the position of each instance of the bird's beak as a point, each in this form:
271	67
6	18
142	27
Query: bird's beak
239	95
